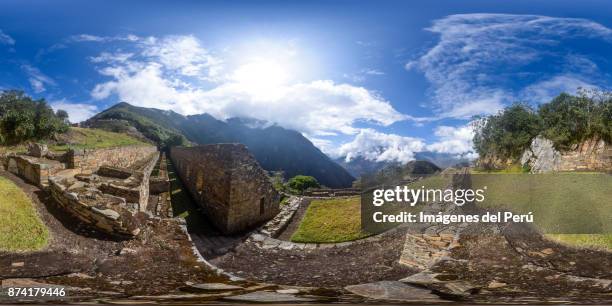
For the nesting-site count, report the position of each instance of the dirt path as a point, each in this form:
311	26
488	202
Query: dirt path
331	267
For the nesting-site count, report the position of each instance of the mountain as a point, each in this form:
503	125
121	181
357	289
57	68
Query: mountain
359	166
274	147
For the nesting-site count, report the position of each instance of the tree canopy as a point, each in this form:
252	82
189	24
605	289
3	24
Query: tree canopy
22	118
303	182
566	120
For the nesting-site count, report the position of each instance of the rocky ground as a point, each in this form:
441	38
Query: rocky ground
479	264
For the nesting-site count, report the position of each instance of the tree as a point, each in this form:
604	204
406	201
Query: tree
507	133
22	118
300	183
62	115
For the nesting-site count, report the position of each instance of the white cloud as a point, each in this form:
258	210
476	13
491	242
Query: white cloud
96	38
37	79
6	39
77	112
479	59
168	73
545	90
454	140
376	146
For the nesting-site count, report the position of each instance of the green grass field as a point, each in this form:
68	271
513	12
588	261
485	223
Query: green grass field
334	220
339	220
20	227
83	138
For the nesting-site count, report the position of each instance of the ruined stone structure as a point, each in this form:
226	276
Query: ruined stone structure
227	181
110	199
329	193
106	188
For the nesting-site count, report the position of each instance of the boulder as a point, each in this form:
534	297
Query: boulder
267	297
38	150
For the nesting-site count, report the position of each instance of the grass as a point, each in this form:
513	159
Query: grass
83	138
339	220
333	220
20	227
573	207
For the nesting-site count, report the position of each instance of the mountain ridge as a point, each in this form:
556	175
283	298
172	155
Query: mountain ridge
274	147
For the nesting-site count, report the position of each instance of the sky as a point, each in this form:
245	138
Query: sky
377	79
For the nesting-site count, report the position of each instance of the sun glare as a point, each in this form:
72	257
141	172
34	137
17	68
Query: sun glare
261	75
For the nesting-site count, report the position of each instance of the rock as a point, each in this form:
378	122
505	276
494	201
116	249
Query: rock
267	297
460	288
599	282
547	251
425	278
126	251
111	214
288	291
210	287
38	150
541	156
17	264
394	291
495	284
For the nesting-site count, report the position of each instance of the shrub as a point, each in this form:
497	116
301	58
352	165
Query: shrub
302	182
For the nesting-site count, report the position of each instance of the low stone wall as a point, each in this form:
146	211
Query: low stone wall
105	212
346	192
135	188
34	170
158	185
89	160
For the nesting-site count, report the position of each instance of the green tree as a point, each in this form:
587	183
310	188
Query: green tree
22	118
507	133
302	182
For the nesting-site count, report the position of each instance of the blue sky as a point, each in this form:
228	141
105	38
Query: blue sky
379	79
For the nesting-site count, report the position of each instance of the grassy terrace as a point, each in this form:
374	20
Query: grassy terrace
339	220
20	227
83	138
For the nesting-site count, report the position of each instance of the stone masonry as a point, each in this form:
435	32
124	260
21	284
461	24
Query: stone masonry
590	155
228	183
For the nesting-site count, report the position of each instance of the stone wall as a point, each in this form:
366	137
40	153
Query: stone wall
89	160
227	181
33	169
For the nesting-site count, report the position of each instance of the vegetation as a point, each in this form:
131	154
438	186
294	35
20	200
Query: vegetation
566	120
300	183
22	119
333	220
20	227
92	139
153	124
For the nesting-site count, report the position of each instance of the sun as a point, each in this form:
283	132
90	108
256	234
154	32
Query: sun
261	75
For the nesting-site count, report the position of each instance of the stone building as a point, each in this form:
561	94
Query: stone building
227	181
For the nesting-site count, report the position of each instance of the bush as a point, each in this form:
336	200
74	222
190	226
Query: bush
22	118
300	183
